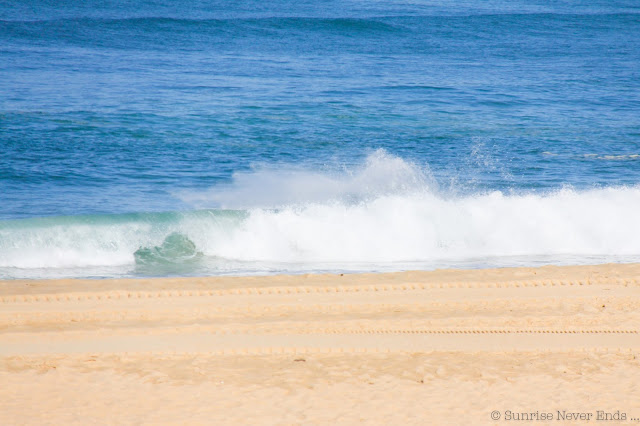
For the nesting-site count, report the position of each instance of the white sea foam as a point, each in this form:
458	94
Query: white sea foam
384	212
69	245
394	228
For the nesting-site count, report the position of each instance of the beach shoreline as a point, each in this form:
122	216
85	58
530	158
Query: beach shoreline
417	347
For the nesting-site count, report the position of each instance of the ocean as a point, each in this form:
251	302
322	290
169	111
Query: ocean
158	138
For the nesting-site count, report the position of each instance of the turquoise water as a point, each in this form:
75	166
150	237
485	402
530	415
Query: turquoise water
156	138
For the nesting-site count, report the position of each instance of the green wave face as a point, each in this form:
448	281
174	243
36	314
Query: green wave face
176	255
176	248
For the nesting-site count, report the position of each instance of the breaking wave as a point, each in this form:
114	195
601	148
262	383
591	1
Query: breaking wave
384	214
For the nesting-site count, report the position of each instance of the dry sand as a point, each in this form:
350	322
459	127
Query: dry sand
442	347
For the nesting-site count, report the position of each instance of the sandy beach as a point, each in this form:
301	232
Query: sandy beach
542	345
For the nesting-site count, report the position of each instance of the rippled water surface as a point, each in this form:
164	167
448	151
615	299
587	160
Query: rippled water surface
157	138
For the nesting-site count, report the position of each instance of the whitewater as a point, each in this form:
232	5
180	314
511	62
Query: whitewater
384	214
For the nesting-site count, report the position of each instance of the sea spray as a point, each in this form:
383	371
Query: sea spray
273	186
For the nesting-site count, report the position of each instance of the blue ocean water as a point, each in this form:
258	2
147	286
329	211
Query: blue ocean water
189	138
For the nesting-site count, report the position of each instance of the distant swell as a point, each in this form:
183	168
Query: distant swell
353	24
340	20
386	212
331	26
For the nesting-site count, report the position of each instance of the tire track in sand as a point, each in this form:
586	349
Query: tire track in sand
524	314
